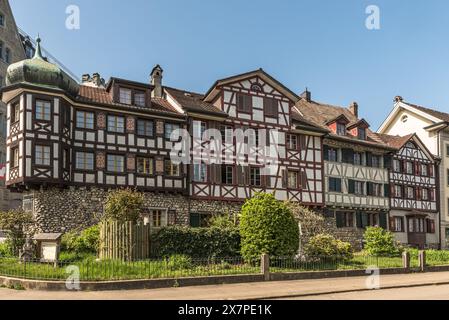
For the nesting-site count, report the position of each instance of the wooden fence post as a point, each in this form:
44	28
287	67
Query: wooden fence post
265	266
422	260
406	260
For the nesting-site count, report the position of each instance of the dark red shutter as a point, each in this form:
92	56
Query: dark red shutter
432	194
392	224
303	176
431	173
284	179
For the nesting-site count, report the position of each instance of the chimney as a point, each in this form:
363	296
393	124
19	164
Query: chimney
398	99
307	95
96	79
156	81
354	108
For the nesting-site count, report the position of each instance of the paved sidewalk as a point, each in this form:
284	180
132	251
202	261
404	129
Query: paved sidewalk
246	291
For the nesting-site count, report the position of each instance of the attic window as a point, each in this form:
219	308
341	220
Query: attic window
404	118
361	133
256	88
341	129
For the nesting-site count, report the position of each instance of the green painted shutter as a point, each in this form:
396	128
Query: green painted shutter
359	221
326	153
383	220
339	218
387	190
351	186
194	220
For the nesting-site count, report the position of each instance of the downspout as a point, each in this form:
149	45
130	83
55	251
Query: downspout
438	184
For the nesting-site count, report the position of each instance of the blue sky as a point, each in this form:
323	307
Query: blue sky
321	44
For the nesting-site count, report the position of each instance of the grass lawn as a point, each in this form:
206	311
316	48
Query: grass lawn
92	270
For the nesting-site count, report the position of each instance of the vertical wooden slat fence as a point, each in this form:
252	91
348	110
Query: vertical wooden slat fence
124	241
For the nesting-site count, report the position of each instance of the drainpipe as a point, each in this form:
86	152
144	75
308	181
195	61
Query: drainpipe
437	177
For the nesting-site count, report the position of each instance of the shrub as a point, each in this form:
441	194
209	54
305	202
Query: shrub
124	205
5	249
179	262
16	222
380	242
267	226
197	242
223	221
325	245
84	242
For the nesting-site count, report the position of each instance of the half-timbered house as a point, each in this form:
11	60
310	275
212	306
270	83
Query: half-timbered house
69	143
414	216
356	175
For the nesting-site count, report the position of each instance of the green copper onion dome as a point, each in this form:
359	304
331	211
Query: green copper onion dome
40	72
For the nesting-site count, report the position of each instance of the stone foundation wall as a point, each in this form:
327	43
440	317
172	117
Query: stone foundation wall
352	235
62	210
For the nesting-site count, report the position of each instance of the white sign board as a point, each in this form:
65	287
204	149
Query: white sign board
49	251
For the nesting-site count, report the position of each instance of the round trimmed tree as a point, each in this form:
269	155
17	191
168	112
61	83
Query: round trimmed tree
267	226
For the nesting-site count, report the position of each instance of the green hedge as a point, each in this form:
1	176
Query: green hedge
196	242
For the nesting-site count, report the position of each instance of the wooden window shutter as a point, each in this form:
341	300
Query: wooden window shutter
351	186
240	101
417	168
284	178
303	179
392	190
195	220
239	175
217	171
302	142
392	224
369	188
338	185
387	189
383	220
340	219
432	194
369	159
359	219
246	175
326	152
418	193
431	172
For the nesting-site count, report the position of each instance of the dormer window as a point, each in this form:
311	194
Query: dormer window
139	99
125	96
361	133
341	129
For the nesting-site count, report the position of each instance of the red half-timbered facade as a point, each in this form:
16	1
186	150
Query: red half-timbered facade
414	192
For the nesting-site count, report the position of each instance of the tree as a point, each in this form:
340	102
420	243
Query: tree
267	226
380	242
16	223
124	205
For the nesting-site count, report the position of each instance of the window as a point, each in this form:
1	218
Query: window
345	219
169	128
255	179
85	120
227	176
292	142
43	110
271	107
376	190
293	179
398	224
84	161
157	218
373	219
199	220
171	169
332	155
2	20
396	165
227	134
358	187
15	112
200	172
425	194
416	225
145	128
404	118
15	157
409	167
125	96
199	127
1	50
139	99
116	124
361	133
410	193
341	129
430	226
253	137
42	155
376	161
397	191
358	158
424	170
244	103
8	55
144	165
447	150
334	185
116	163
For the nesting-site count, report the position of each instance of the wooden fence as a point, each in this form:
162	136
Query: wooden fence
124	241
